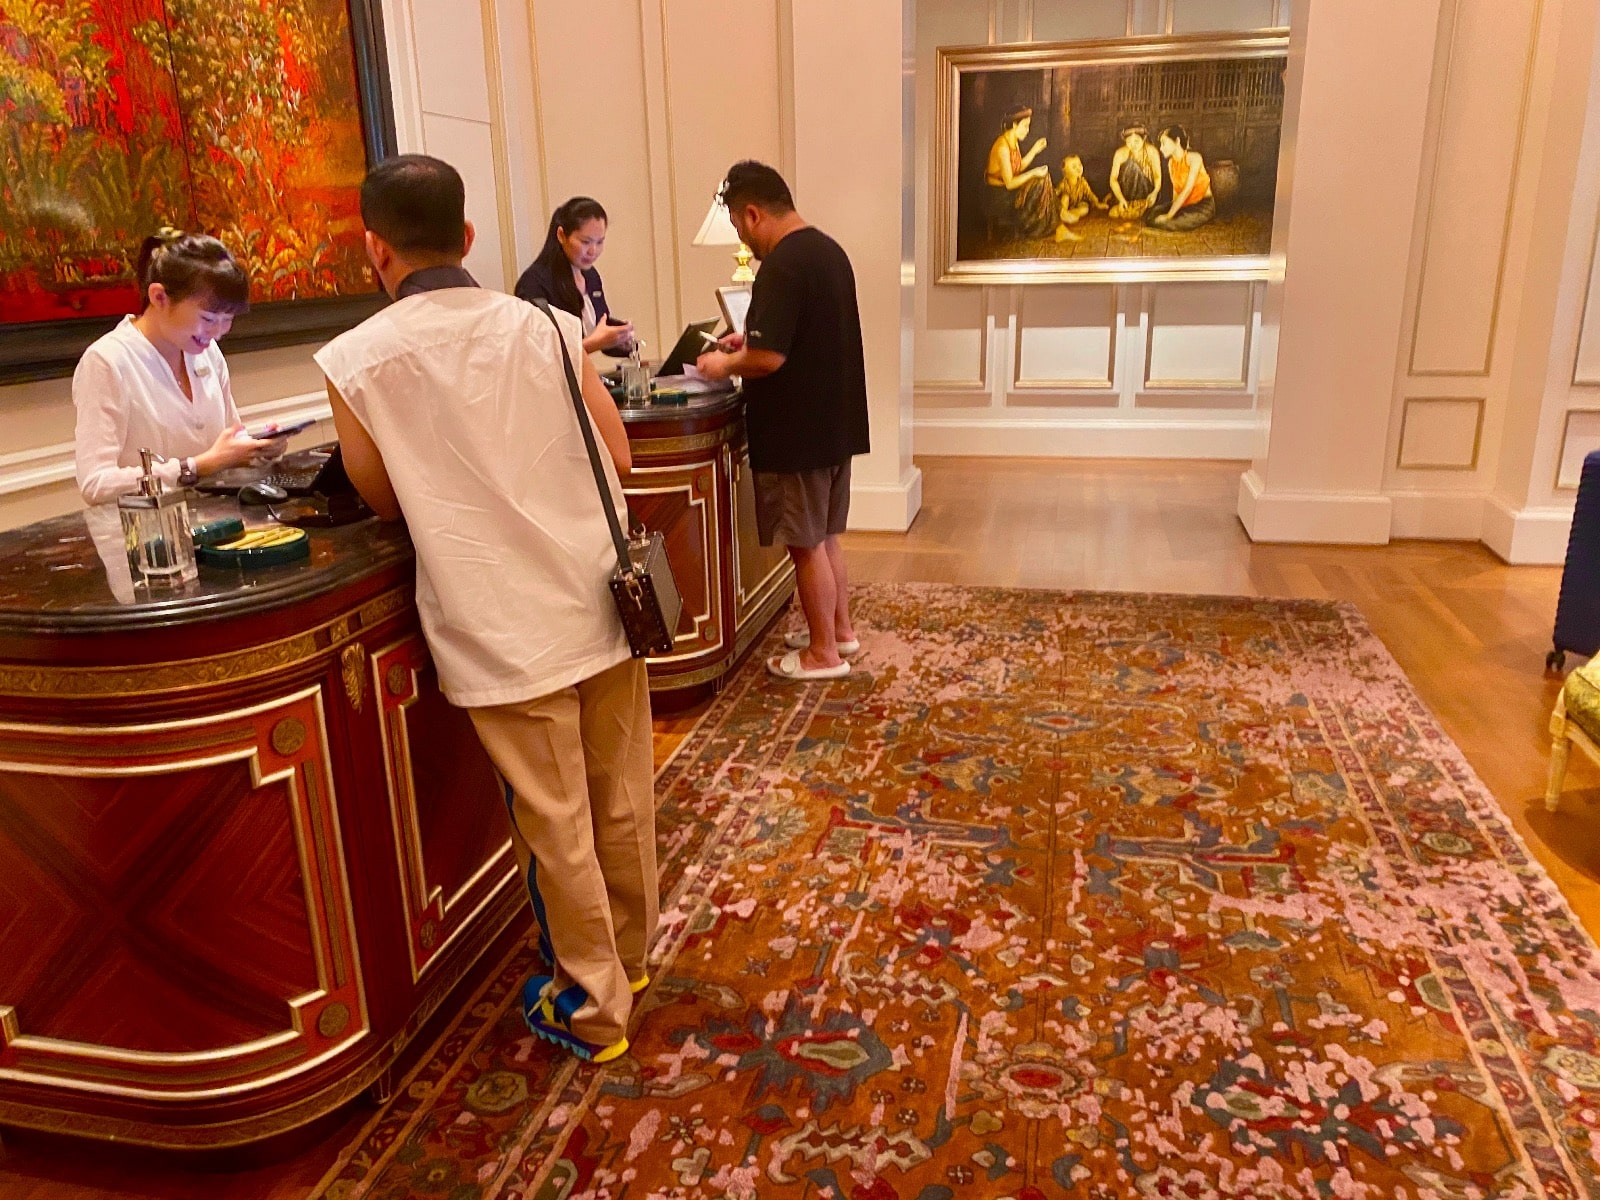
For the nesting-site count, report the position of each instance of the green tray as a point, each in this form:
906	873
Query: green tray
268	546
223	529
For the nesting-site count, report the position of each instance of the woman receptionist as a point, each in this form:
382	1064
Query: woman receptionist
563	276
158	382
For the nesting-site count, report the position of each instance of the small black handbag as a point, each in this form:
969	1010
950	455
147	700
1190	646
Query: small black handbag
642	585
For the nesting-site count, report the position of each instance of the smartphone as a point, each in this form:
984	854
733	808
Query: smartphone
269	433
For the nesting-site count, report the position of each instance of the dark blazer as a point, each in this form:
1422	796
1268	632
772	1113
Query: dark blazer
537	284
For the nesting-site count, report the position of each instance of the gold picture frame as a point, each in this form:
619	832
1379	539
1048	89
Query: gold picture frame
1223	93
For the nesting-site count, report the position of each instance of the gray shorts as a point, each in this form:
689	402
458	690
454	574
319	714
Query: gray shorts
801	508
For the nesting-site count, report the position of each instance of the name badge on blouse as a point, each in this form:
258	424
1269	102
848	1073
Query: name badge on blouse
201	370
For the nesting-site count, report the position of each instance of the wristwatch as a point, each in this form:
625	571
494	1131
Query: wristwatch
188	473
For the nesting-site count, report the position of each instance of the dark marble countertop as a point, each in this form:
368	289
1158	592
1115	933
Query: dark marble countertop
70	574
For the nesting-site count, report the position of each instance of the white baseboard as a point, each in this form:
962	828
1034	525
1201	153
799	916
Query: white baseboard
1526	536
1438	516
1322	517
886	508
1234	438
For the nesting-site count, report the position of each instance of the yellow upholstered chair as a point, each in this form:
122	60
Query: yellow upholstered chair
1576	721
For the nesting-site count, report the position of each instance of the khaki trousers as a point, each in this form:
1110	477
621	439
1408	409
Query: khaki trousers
577	769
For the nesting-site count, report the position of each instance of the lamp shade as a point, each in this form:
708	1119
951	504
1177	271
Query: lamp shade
717	229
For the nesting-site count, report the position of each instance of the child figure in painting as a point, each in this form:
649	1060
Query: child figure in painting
1073	198
1192	202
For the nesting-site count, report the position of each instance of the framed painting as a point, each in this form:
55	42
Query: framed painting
253	122
1138	159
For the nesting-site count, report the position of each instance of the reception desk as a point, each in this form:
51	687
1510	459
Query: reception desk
691	480
246	847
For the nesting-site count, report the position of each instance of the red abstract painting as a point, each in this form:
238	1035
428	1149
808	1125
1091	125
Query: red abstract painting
238	119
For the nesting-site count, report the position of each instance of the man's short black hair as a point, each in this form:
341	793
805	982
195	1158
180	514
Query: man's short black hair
417	204
751	182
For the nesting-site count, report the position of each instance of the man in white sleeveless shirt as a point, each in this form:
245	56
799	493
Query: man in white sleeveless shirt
453	412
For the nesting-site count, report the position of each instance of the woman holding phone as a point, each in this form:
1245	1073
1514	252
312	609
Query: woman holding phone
158	381
564	276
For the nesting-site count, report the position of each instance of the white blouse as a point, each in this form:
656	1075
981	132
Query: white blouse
128	400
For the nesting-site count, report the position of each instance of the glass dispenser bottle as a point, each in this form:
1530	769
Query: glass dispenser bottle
155	529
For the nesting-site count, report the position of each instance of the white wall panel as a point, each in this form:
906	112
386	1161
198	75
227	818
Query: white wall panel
1199	335
1582	437
722	94
592	127
952	344
1203	16
1441	433
1586	369
1466	225
469	148
450	65
1060	22
1066	338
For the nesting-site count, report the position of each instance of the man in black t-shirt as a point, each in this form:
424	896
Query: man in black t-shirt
805	387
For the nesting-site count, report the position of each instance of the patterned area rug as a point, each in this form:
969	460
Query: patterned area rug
1059	895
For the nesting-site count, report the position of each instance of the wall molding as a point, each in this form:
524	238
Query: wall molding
1482	405
1230	438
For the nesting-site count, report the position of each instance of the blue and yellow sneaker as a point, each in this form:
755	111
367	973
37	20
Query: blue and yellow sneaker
547	1018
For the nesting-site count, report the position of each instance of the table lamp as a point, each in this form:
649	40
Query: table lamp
718	230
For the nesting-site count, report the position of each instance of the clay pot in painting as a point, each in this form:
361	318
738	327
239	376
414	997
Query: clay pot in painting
1224	181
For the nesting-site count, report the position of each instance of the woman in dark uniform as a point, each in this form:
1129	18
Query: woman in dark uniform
564	276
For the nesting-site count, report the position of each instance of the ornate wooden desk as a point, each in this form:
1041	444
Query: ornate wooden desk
691	480
246	847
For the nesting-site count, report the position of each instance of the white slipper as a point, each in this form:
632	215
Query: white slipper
800	639
788	667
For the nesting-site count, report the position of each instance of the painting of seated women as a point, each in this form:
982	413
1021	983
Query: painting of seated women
1162	159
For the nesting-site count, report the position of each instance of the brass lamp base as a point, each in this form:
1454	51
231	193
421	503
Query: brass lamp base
743	272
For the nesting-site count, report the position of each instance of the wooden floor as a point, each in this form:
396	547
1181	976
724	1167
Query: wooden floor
1471	633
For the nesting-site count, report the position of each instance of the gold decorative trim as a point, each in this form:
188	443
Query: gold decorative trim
1579	379
288	736
324	873
1477	433
166	1134
683	445
425	904
671	683
683	479
352	660
189	674
499	149
333	1020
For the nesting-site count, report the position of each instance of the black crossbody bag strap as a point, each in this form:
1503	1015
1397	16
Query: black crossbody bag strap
623	559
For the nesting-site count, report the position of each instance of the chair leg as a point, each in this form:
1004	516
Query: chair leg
1558	771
